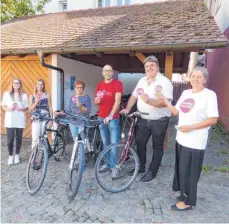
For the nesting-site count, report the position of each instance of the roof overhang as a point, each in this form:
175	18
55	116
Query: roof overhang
184	47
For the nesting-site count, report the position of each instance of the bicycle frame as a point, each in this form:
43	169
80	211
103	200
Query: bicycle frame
131	133
80	138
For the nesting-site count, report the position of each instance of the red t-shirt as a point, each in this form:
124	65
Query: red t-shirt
106	92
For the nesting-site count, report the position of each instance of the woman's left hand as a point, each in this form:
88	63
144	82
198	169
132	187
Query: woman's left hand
186	128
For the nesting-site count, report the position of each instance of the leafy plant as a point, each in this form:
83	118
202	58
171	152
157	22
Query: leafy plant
14	8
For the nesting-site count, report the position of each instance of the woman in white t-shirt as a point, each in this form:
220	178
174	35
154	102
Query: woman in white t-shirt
15	103
197	109
39	102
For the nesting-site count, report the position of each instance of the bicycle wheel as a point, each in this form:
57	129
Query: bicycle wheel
76	172
123	161
37	167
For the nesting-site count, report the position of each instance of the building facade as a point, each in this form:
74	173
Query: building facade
217	60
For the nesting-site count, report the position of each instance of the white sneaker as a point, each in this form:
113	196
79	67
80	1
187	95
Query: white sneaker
11	160
16	159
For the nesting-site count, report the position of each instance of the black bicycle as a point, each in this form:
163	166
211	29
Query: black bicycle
94	143
38	161
77	162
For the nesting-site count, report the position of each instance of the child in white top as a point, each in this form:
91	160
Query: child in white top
15	103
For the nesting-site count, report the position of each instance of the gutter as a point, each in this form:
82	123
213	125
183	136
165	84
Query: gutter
195	46
44	64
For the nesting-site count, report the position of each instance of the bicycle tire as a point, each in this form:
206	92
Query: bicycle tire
124	174
73	187
31	165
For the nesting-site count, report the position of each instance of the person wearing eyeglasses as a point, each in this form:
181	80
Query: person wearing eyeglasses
156	123
79	104
39	102
15	103
108	99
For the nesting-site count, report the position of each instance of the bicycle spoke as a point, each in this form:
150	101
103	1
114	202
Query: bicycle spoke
126	163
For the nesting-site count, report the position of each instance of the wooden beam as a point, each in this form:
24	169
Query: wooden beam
169	65
141	57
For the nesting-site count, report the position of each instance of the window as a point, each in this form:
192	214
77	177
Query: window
127	2
100	3
107	3
119	2
63	6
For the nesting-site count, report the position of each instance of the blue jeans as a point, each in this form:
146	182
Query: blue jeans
110	135
74	130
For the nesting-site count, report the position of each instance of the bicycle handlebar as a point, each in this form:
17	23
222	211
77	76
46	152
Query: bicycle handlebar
136	113
88	121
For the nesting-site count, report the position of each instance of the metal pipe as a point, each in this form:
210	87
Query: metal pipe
42	60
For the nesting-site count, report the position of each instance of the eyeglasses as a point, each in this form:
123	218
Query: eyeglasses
17	83
78	87
107	70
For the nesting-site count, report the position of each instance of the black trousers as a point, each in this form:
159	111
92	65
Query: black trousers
156	128
10	139
188	166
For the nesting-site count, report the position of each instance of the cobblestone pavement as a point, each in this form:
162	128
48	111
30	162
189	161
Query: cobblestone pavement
142	203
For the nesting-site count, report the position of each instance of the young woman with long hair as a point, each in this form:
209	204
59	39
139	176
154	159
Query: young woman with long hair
39	102
15	103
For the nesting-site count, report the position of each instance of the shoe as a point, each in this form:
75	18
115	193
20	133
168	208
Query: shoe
103	169
139	171
175	208
180	198
114	173
11	160
148	176
36	166
17	159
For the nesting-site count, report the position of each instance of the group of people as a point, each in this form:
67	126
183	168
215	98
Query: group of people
196	109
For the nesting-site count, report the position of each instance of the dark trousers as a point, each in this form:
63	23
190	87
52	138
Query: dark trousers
156	128
10	139
188	166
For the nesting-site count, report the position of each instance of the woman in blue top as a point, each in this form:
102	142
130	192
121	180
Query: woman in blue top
39	102
79	104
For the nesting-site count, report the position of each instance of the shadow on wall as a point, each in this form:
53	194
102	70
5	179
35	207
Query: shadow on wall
218	67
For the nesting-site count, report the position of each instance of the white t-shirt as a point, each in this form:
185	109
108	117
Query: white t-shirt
15	119
161	84
194	108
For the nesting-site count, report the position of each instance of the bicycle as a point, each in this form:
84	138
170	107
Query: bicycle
94	144
121	156
77	162
43	150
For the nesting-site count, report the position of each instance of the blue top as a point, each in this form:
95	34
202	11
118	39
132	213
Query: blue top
85	101
42	108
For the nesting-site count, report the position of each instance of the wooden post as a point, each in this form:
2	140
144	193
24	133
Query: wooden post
140	56
169	65
168	74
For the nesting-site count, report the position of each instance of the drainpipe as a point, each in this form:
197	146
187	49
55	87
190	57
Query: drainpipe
42	61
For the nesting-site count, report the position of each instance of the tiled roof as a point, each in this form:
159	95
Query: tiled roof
171	22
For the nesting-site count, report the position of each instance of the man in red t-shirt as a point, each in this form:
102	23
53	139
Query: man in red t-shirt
108	98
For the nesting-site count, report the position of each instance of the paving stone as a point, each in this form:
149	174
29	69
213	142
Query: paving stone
141	203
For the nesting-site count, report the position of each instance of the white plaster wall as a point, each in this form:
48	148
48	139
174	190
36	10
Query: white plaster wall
56	88
53	6
129	81
222	15
90	74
